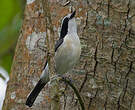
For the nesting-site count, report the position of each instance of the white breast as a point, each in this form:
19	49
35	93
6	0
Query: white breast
68	53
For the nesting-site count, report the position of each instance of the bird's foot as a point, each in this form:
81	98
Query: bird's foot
65	78
54	79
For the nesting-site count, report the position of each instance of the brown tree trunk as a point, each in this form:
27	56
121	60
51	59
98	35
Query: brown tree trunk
105	75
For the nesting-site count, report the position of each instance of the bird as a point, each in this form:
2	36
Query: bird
67	53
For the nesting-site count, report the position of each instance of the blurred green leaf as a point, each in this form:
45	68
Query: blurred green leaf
9	34
7	42
10	23
6	62
8	9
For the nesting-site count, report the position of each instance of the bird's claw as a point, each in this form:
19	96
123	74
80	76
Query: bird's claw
54	78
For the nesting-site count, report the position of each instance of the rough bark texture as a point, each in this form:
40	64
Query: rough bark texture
105	75
54	90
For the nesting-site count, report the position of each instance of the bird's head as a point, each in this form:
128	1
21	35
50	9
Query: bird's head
68	25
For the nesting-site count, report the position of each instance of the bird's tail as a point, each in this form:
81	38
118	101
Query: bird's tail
33	95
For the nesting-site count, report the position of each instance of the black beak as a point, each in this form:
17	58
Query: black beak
73	14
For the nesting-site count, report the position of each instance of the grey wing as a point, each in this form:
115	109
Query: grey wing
57	45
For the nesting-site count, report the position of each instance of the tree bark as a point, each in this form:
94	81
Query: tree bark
105	75
54	90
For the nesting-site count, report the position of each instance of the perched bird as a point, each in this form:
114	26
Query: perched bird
67	53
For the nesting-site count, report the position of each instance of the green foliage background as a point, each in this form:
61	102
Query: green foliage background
11	13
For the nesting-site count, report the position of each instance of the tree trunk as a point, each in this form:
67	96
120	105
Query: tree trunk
105	75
